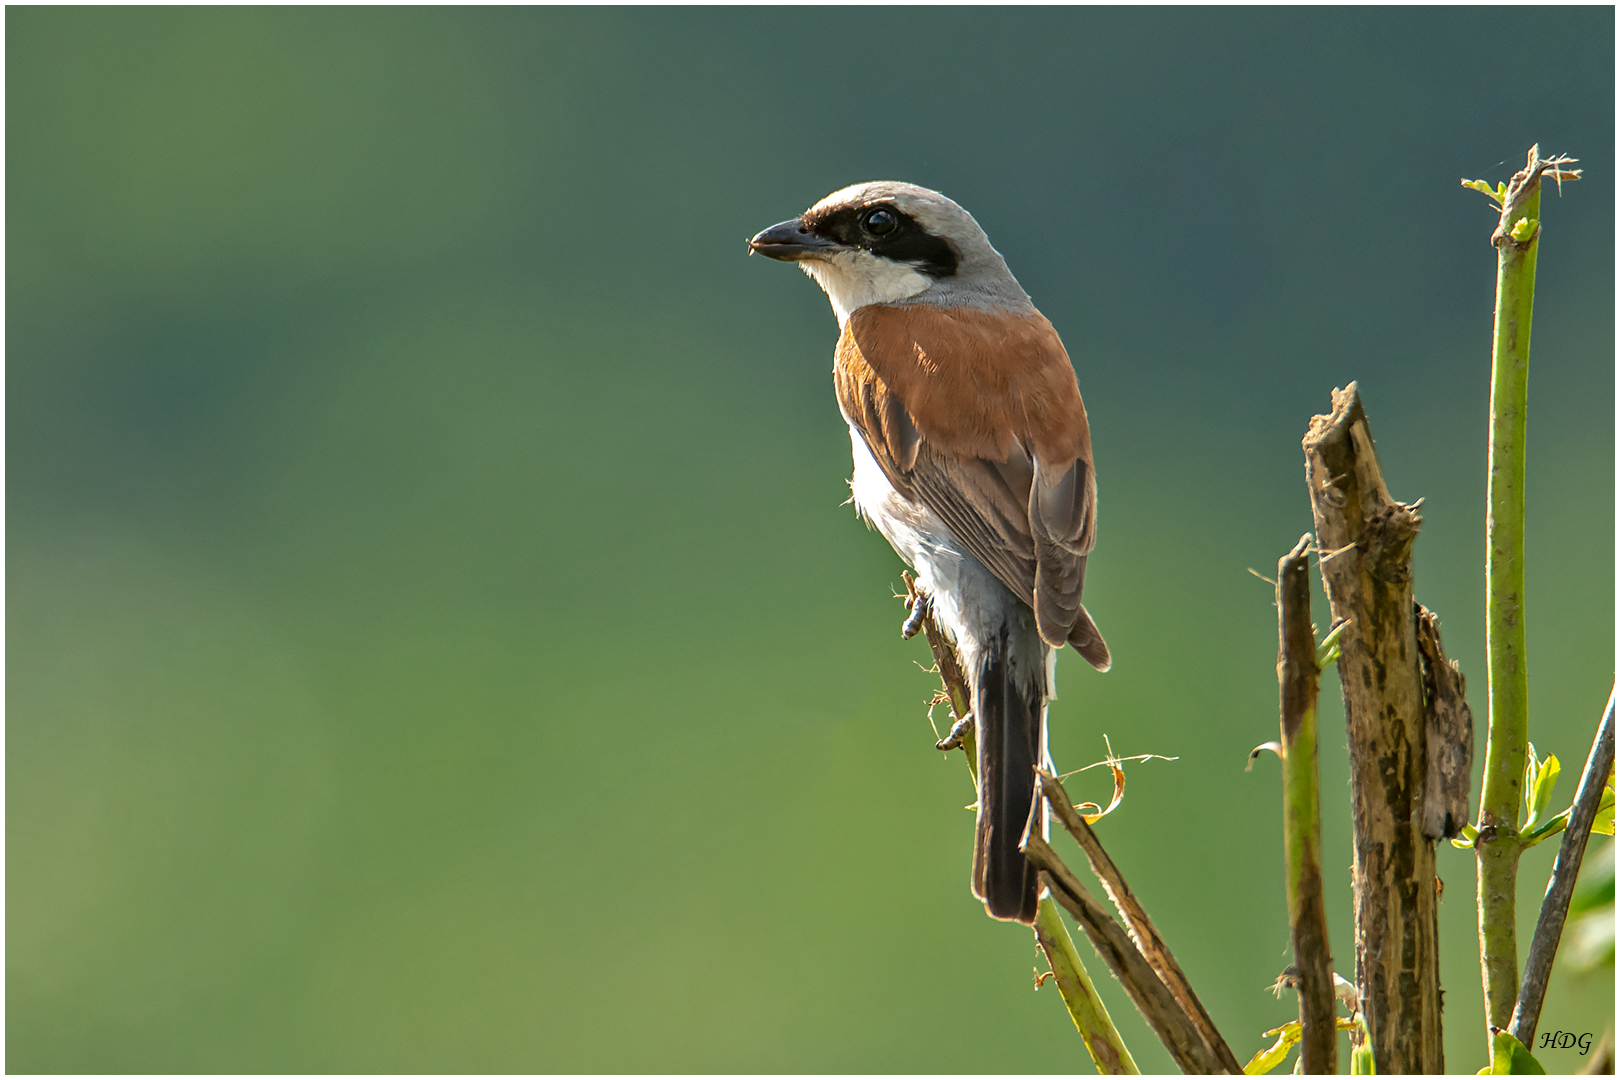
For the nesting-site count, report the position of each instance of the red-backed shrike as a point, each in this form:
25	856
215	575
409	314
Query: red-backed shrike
973	458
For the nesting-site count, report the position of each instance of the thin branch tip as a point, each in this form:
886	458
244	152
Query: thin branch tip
1561	886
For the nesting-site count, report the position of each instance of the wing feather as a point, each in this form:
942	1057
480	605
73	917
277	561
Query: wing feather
986	515
1007	466
1061	513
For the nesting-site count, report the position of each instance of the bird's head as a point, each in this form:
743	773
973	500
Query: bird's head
886	242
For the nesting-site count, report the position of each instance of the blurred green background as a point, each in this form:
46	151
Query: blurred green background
436	641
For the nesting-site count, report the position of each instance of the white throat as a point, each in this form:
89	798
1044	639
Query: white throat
854	279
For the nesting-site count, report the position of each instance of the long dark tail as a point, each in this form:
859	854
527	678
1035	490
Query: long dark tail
1009	715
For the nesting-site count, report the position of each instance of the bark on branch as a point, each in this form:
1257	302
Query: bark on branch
1142	931
1150	996
1139	958
1449	726
1365	538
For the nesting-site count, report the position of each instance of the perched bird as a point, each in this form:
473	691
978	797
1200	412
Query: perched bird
973	458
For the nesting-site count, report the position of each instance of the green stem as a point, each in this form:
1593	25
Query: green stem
1090	1016
1298	677
1508	729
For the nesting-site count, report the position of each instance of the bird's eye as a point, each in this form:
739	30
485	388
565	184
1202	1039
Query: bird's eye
880	222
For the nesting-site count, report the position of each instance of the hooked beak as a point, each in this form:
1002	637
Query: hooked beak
790	241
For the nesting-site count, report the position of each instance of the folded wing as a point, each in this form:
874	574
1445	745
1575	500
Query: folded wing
978	416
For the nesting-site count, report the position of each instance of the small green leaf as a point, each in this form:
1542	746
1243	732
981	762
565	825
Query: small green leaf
1328	650
1466	838
1510	1058
1532	765
1604	822
1524	229
1362	1062
1272	1056
1485	189
1546	777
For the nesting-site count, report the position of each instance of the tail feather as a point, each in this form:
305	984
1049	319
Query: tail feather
1009	718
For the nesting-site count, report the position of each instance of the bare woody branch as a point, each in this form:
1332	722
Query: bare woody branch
1163	1014
1555	907
1177	1017
1369	586
1143	933
1449	733
1297	679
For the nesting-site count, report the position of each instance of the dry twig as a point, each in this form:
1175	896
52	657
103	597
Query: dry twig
1147	939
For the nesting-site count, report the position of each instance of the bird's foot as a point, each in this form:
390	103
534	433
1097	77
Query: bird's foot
959	731
916	605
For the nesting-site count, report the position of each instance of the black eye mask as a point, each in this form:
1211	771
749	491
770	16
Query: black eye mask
905	242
